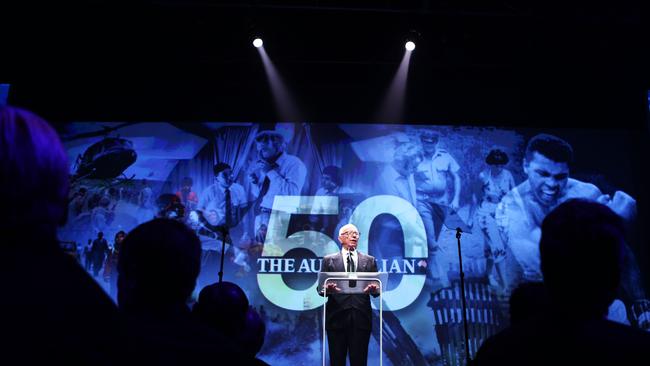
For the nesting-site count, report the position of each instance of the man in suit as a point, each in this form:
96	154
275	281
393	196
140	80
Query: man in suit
349	316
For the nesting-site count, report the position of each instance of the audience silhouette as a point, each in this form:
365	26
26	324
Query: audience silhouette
252	337
528	301
581	249
51	310
224	306
56	313
158	266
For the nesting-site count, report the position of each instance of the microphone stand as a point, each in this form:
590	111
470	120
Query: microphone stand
462	294
224	230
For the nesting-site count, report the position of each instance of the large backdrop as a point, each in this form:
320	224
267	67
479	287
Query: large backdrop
406	187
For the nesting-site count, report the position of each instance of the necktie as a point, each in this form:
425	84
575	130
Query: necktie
350	263
351	269
265	186
228	208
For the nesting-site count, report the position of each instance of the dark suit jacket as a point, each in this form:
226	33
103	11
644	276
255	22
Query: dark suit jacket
337	304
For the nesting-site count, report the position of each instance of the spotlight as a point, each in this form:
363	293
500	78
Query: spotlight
257	42
410	46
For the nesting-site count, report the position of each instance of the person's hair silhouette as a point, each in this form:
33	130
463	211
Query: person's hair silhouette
158	265
581	249
49	303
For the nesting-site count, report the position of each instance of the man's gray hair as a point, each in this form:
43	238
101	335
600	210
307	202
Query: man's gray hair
345	228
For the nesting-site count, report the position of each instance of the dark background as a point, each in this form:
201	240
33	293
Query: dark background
544	64
520	63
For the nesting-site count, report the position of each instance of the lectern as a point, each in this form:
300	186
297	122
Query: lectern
354	283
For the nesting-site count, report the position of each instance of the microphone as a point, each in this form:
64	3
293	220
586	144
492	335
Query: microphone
459	231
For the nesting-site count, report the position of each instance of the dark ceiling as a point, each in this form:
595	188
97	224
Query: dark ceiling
534	63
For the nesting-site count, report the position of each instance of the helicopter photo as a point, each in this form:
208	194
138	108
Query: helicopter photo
118	169
105	159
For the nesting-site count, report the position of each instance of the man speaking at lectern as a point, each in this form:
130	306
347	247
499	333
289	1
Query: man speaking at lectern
349	316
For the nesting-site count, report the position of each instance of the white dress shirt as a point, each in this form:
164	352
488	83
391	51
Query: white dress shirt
287	179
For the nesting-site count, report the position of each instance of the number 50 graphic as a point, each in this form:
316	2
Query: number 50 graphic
277	243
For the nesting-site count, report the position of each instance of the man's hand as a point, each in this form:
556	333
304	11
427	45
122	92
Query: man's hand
264	166
331	288
641	314
200	216
254	178
454	205
372	288
624	205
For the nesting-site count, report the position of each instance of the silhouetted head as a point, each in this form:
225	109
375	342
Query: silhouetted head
581	252
222	306
527	301
158	265
33	172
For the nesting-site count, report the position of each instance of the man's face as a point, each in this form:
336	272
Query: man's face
429	147
349	238
119	238
327	183
224	178
547	178
268	147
